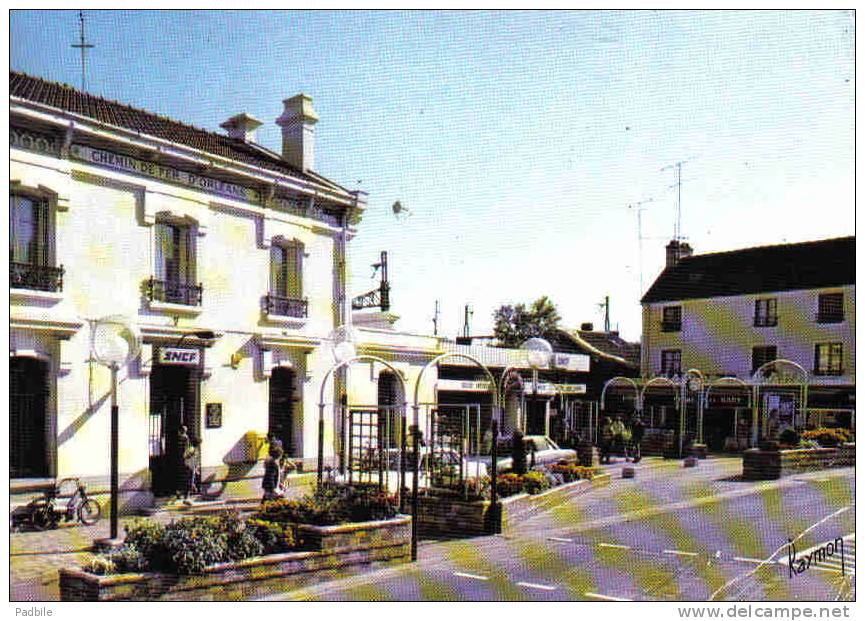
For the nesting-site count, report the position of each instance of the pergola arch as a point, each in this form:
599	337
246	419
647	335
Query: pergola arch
762	380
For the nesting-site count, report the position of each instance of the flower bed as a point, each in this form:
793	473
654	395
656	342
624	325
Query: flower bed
339	525
759	464
447	513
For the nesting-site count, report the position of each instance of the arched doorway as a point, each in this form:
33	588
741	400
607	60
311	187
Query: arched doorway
281	417
28	418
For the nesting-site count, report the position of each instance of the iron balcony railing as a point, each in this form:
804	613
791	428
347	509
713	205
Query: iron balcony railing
39	277
671	326
174	292
765	321
824	372
285	307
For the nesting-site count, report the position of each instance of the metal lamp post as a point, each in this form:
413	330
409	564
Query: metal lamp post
538	355
115	341
692	380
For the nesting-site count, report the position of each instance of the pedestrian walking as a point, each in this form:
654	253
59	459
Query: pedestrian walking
270	480
637	432
184	450
618	430
606	440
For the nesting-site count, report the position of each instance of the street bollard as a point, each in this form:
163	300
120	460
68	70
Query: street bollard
690	462
628	472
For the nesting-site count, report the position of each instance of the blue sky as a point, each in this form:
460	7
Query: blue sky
516	139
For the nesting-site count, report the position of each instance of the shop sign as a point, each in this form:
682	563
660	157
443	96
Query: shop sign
544	388
571	362
126	164
179	357
463	385
571	389
213	415
721	400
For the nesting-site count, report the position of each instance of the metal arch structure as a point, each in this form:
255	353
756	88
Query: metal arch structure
660	380
503	385
628	381
733	381
496	414
759	378
322	404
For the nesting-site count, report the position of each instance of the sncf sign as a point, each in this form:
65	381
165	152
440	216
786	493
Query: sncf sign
183	357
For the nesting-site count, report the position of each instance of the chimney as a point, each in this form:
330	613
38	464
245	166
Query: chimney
298	132
676	251
242	127
587	327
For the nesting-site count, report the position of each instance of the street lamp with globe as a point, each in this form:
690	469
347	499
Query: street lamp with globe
539	352
115	342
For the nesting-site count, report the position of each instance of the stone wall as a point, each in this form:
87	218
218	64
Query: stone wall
345	546
758	465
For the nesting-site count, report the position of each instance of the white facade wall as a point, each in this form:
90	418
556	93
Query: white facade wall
718	334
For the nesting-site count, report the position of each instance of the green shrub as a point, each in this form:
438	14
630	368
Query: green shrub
535	482
332	504
146	537
509	484
191	544
573	472
99	564
275	538
789	436
128	559
828	436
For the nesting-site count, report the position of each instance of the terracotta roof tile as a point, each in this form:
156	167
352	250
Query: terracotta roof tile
72	100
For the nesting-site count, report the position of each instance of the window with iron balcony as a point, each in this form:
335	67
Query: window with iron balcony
671	319
762	354
671	362
285	298
31	264
830	308
766	313
174	278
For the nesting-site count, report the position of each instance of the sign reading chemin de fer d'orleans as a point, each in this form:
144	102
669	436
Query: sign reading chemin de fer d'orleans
124	163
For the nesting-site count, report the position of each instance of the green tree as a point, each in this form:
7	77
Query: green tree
513	325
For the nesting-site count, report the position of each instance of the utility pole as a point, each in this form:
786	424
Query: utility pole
435	320
467	314
606	306
83	46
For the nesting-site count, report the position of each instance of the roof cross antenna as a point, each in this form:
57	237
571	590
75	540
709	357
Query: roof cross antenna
83	46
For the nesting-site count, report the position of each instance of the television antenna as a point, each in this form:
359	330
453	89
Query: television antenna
435	319
638	207
83	45
398	209
677	228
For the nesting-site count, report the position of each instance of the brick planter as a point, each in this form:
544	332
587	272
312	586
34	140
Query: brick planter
587	455
443	516
342	546
758	465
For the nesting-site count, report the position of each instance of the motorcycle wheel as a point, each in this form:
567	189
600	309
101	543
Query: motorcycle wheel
89	512
44	518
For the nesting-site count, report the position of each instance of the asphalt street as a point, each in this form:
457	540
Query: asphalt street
670	534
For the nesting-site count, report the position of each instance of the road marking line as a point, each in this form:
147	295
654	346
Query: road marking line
746	559
608	598
470	576
680	552
532	585
614	545
562	539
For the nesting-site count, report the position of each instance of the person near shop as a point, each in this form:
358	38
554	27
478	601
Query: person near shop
184	452
637	432
618	430
191	470
606	440
270	480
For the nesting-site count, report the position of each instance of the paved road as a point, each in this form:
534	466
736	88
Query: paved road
670	534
